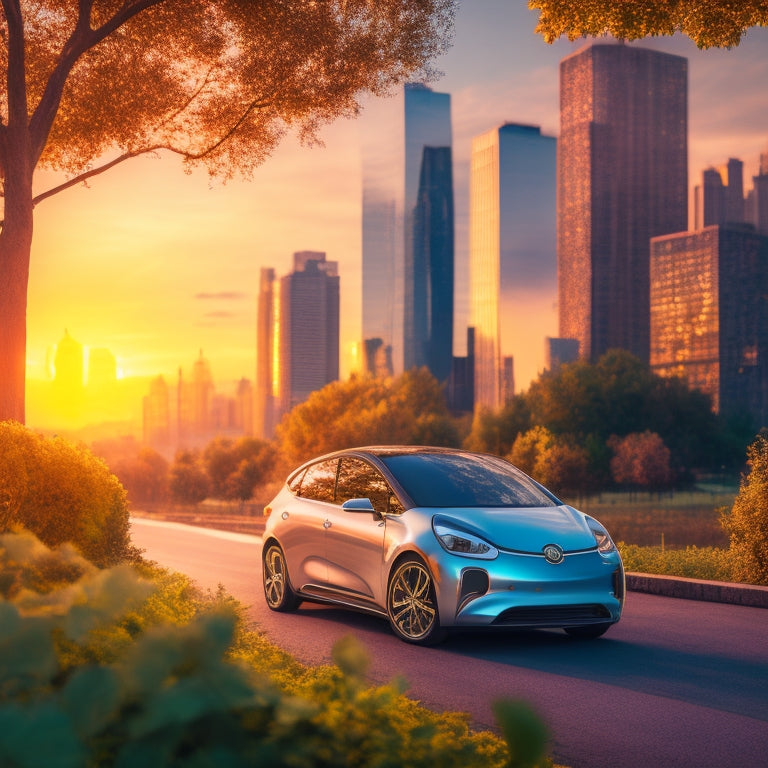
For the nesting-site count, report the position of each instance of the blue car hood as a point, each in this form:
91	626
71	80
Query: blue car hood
523	529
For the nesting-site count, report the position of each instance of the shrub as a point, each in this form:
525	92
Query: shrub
62	493
193	693
709	563
747	521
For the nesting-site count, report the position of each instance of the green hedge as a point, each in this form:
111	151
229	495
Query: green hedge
710	563
131	666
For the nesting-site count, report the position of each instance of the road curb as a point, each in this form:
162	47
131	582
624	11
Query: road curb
697	589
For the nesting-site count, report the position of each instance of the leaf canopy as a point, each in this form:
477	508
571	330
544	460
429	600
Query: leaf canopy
709	23
218	82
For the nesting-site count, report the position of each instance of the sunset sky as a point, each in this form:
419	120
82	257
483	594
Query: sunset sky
156	265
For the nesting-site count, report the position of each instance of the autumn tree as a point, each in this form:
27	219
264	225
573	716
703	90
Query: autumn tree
709	23
747	521
641	460
144	476
188	481
409	409
556	461
91	84
236	467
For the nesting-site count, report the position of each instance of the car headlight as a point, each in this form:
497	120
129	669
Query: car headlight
602	537
462	543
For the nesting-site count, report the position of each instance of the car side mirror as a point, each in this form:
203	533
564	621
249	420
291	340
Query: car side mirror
359	505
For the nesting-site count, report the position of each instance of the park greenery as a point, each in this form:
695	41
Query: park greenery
709	23
92	84
132	665
122	663
581	430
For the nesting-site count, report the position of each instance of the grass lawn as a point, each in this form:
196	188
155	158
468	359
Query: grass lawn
682	518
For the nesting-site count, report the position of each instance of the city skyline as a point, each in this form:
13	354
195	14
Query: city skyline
153	264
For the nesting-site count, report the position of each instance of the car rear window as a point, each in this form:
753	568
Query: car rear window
461	480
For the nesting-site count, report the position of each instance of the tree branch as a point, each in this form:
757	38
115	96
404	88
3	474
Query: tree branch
186	154
82	39
81	178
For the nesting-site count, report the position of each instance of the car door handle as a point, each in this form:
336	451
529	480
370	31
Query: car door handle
326	524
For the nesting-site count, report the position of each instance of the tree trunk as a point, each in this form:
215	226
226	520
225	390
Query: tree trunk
15	247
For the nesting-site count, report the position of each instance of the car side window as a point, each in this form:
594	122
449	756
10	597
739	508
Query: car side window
359	480
319	481
295	482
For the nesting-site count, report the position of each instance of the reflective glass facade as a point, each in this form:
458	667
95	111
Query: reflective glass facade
622	179
309	328
709	315
407	238
512	252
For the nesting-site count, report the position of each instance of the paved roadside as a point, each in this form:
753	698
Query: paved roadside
666	586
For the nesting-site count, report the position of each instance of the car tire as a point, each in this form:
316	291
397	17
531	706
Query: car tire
277	586
412	605
590	632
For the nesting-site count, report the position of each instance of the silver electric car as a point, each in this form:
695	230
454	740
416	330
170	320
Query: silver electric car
437	539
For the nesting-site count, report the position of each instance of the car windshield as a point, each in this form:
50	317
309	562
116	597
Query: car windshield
465	480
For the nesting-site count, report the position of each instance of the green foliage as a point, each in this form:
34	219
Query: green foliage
588	403
409	409
709	563
236	467
144	476
496	432
714	23
192	687
747	521
189	483
62	493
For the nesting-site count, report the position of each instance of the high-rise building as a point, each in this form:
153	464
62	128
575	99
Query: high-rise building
156	416
709	315
428	321
513	257
757	199
719	199
407	238
267	389
308	328
622	179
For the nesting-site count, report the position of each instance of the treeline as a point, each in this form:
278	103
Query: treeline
582	429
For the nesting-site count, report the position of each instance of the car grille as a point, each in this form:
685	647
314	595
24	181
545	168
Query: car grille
552	615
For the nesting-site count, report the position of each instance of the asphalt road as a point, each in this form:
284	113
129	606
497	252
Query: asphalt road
675	683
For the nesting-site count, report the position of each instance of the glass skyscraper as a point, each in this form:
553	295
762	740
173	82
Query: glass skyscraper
407	241
308	328
513	262
622	179
709	315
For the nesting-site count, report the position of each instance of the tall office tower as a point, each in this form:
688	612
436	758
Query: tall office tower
758	197
709	315
201	392
513	257
265	412
622	179
734	192
156	416
719	199
709	200
309	328
428	322
408	228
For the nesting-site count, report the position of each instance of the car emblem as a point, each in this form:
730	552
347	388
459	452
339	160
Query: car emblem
553	554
